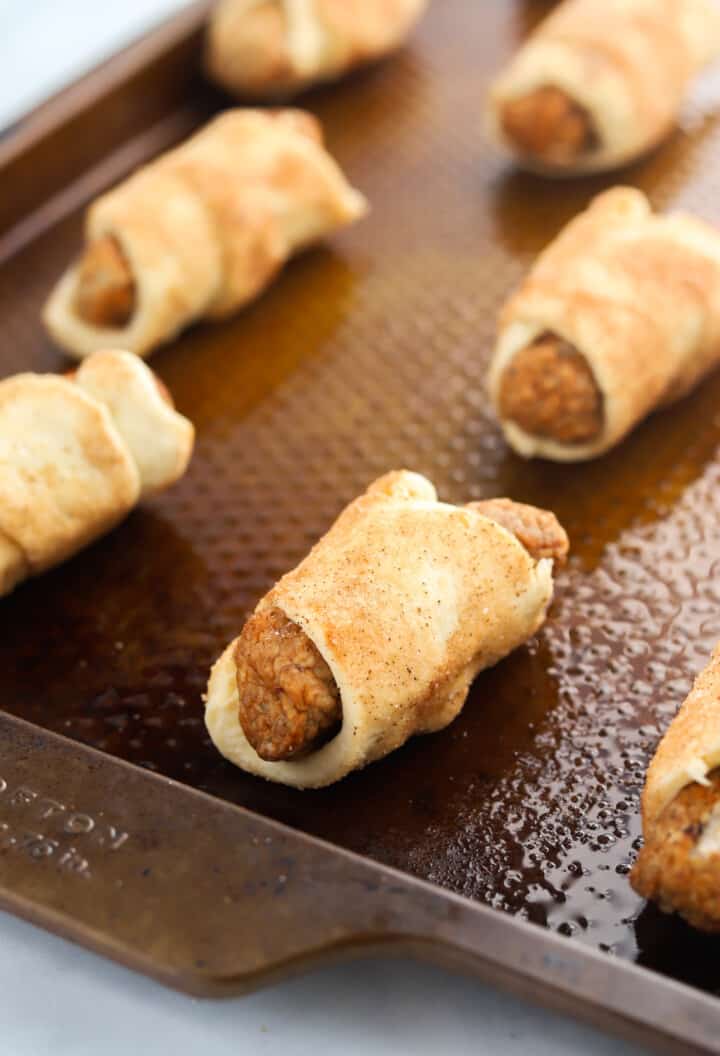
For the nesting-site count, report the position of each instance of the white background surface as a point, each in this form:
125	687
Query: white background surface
57	999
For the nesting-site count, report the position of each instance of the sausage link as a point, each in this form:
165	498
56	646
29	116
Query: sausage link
538	530
289	700
105	293
549	390
548	125
673	868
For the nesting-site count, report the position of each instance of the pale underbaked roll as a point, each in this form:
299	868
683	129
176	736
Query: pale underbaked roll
200	232
379	632
601	82
679	865
619	316
270	48
77	453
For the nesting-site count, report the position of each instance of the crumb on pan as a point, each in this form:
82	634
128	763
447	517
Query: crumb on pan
538	530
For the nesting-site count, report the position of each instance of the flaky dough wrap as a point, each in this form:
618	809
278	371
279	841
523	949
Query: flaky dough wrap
204	228
638	295
690	748
77	453
625	64
679	865
267	48
406	599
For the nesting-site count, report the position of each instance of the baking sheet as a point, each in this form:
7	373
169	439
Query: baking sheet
370	354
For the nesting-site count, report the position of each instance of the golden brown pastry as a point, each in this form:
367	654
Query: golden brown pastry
77	453
601	82
619	316
270	48
679	865
378	633
548	389
200	232
289	702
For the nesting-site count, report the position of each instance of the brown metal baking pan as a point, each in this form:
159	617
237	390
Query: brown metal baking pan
502	844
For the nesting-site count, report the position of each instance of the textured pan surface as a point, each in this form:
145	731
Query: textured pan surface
367	355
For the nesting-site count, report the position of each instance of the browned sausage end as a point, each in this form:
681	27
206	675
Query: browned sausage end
546	124
105	291
549	390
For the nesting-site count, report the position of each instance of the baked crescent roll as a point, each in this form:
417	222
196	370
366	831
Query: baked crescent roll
378	633
620	315
267	48
601	82
679	865
200	232
77	453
